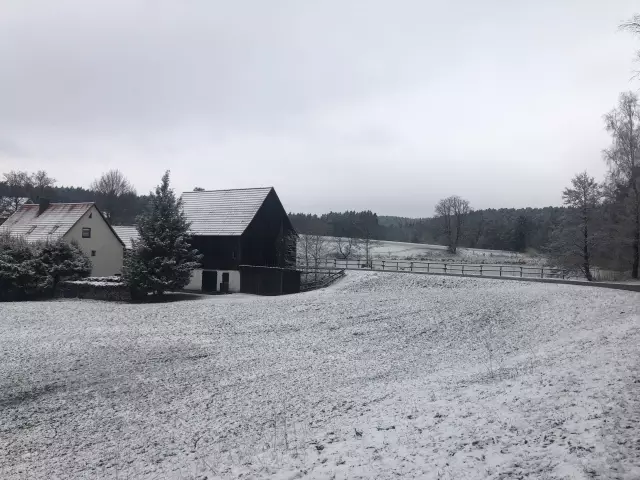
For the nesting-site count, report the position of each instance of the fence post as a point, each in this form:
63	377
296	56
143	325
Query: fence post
463	269
542	272
411	266
520	272
500	270
428	265
383	264
480	269
445	268
398	266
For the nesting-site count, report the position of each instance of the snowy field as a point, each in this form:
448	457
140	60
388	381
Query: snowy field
379	376
416	251
386	250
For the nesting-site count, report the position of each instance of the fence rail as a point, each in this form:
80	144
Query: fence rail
522	271
323	278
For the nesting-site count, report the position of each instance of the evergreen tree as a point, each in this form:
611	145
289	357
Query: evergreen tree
162	259
521	234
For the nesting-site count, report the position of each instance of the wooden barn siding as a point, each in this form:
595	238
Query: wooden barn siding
269	281
263	241
218	252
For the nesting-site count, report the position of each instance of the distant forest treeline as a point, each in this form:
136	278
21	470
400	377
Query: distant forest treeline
497	229
502	229
603	226
124	210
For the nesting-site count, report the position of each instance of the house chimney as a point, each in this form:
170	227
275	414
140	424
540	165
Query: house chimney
43	204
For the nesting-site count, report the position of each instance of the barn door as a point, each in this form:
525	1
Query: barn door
209	281
224	286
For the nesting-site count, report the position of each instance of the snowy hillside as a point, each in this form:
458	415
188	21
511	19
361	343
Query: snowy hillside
379	376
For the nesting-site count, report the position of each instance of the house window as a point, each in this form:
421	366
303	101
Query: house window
53	230
31	229
91	215
93	253
86	232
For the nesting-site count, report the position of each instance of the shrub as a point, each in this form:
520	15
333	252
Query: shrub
31	270
95	290
65	260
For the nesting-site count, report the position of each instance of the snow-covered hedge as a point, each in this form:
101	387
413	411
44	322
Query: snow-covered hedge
94	290
111	279
32	270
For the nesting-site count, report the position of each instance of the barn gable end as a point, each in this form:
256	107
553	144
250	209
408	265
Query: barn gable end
235	228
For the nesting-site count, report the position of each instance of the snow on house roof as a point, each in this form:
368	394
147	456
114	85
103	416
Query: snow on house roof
51	224
223	212
127	234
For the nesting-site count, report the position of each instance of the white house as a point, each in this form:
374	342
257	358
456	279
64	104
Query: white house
82	222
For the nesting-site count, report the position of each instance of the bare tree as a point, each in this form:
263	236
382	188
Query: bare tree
453	211
366	241
574	240
368	245
319	248
346	247
633	26
20	185
6	208
110	188
41	181
304	251
312	249
623	159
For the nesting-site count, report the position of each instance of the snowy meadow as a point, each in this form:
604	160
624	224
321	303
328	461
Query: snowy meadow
379	376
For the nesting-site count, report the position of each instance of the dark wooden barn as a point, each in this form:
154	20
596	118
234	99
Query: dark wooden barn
246	237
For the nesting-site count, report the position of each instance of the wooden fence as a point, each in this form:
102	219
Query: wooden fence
522	271
322	278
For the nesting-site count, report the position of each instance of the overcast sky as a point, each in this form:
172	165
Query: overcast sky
377	105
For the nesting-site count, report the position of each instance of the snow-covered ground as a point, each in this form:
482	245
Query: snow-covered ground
379	376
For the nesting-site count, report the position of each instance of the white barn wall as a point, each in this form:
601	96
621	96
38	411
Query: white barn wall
109	250
234	280
195	284
196	280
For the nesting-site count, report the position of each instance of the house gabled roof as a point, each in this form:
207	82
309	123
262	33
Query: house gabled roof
223	212
127	234
52	224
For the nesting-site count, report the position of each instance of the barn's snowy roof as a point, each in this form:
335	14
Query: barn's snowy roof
223	212
126	234
51	224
